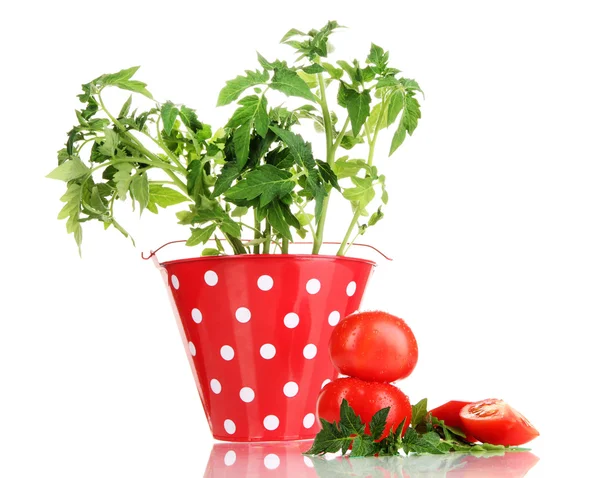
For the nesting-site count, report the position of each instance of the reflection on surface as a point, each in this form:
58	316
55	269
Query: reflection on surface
285	459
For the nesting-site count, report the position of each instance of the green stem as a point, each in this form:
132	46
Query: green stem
340	136
340	251
257	233
284	245
161	144
235	243
267	234
330	160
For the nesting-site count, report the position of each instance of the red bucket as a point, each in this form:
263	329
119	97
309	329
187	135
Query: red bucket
256	329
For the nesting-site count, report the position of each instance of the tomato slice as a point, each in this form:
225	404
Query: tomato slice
449	412
495	421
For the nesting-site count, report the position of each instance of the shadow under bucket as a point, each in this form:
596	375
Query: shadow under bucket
256	330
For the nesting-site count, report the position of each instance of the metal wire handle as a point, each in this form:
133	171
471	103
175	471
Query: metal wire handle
153	253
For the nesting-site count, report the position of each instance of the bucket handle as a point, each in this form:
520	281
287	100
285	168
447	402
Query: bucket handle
152	254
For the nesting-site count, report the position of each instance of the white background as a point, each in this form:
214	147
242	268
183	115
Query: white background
492	222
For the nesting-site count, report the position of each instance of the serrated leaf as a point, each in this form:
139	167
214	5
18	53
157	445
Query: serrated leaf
358	107
201	235
134	85
378	57
349	141
168	114
398	138
190	119
410	84
329	440
350	422
125	108
239	211
228	174
209	251
313	69
114	78
288	82
419	412
69	170
378	422
122	179
350	70
241	142
277	220
300	150
234	88
111	141
395	105
140	190
363	446
335	73
266	182
328	174
164	196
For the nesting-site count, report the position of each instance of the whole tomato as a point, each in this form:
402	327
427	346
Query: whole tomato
366	399
373	346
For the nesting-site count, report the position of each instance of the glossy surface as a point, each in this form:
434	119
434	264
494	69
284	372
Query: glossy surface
495	421
375	346
256	331
285	460
366	399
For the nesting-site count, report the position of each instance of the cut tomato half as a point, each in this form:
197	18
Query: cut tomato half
449	412
495	421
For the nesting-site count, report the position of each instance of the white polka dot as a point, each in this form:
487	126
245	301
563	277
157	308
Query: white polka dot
192	348
227	352
243	315
351	289
229	426
313	286
196	316
265	283
175	281
247	394
334	318
290	389
211	278
325	382
310	351
309	420
271	422
230	458
291	320
267	351
215	386
272	461
308	462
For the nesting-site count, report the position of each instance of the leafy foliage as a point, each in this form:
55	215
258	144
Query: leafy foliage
255	174
426	435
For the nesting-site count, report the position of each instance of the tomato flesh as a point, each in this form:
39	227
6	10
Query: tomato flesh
366	399
449	412
373	346
495	421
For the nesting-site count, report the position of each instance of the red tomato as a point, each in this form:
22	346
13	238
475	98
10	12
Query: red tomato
495	421
373	346
366	399
450	413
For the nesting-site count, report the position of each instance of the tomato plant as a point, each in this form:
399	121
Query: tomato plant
374	346
366	399
495	421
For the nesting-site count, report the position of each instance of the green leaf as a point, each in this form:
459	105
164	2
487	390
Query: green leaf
349	140
398	138
378	57
277	220
164	196
315	186
351	70
111	141
69	170
363	446
300	150
134	85
328	174
114	78
209	251
140	190
358	107
288	82
122	179
329	440
190	119
168	114
419	412
410	85
125	108
201	235
239	211
228	174
363	192
335	73
266	182
241	142
313	69
234	88
267	65
411	113
387	81
350	423
395	105
377	424
291	33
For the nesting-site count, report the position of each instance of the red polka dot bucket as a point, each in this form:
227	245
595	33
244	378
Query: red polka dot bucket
256	330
